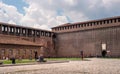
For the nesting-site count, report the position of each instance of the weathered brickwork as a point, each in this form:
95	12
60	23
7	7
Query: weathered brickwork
90	37
23	42
90	41
19	51
67	40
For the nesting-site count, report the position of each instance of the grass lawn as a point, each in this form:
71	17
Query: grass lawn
18	61
62	59
32	61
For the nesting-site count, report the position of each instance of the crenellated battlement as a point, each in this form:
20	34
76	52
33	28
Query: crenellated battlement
16	30
107	22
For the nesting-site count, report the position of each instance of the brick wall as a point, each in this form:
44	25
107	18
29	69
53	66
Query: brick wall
26	46
69	44
18	51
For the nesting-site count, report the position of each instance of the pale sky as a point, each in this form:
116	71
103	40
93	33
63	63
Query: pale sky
45	14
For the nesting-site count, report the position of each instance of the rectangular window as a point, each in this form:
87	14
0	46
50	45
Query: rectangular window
118	19
45	34
84	25
115	20
103	46
23	31
65	27
5	28
37	33
81	25
58	29
73	26
2	28
111	20
41	33
104	22
100	22
94	23
107	21
78	25
9	29
12	29
18	30
32	32
91	24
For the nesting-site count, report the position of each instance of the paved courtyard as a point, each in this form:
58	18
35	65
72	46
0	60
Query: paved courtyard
93	66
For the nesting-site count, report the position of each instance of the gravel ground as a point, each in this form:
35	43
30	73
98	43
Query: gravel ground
92	66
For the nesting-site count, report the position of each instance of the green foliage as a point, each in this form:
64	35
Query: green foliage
18	61
47	59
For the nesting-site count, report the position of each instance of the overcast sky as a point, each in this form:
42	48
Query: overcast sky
45	14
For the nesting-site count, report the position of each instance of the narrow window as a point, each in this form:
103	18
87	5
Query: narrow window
2	28
87	24
42	34
37	33
32	32
18	30
9	29
94	23
45	34
84	25
118	19
115	20
12	30
104	21
97	23
111	20
73	26
60	28
78	25
81	25
23	31
48	34
100	22
65	27
90	24
107	21
5	28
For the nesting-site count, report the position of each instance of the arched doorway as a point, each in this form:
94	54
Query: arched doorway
104	52
36	54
